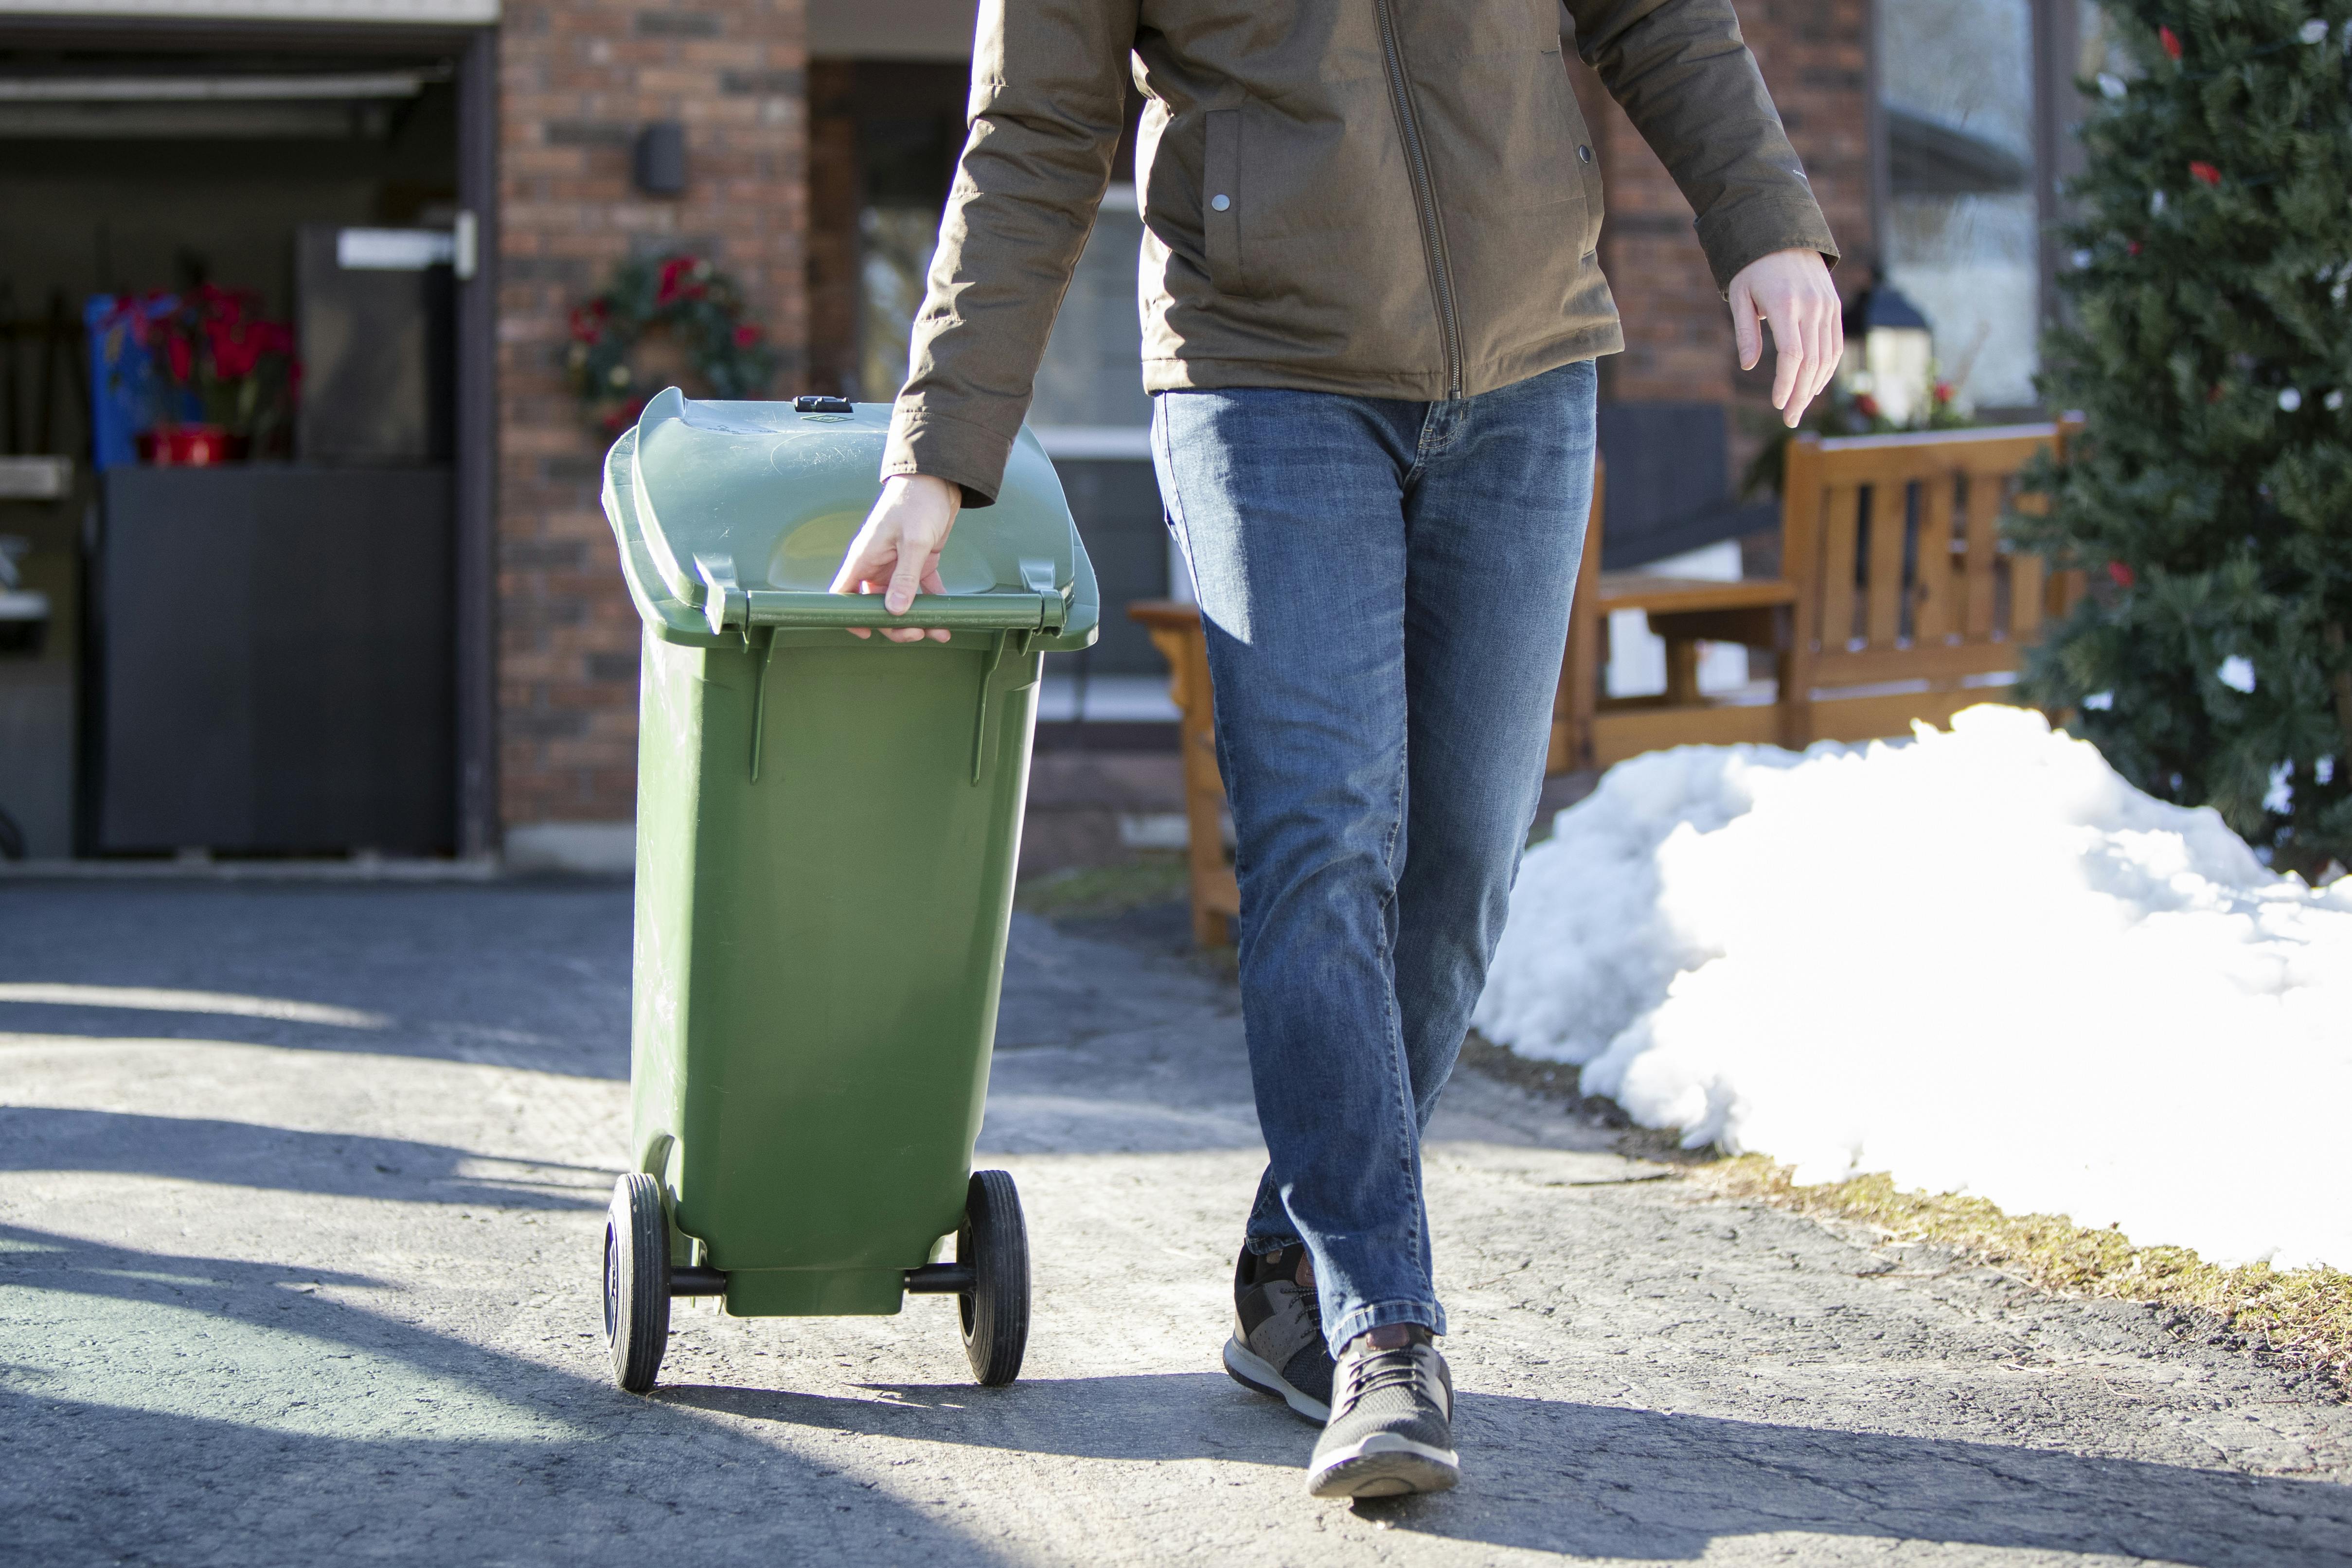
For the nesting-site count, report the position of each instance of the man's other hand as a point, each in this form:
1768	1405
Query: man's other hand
897	553
1792	289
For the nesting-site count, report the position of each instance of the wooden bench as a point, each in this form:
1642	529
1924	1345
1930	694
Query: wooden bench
1175	629
1589	731
1897	601
1911	605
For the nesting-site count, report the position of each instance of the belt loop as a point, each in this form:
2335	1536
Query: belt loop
1443	422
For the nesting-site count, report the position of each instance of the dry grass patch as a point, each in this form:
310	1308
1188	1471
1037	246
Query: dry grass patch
1154	878
2303	1315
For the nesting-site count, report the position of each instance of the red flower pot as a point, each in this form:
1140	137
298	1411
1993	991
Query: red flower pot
191	447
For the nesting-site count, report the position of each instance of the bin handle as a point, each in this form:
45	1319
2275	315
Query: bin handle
1015	642
766	648
990	612
988	667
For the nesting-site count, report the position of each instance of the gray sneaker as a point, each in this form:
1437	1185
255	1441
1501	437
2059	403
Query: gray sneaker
1277	1346
1392	1429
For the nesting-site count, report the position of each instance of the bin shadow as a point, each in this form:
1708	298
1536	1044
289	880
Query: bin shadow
243	1154
140	1449
1167	1416
1557	1476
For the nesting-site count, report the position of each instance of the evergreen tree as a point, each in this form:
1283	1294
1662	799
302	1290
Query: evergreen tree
2208	346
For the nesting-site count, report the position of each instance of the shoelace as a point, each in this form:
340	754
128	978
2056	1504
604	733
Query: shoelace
1306	1299
1311	1306
1385	1369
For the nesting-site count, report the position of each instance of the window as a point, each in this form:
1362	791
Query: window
1090	399
1090	385
1962	229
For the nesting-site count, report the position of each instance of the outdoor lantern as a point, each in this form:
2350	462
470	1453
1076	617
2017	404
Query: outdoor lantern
1890	352
659	165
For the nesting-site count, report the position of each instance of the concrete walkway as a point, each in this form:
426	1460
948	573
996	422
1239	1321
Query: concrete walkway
305	1270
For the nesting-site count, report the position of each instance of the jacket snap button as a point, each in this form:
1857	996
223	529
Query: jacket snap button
1221	203
1584	154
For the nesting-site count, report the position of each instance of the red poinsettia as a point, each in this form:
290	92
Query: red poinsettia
2205	172
215	344
238	346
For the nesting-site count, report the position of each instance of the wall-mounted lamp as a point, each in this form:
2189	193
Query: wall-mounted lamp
1890	352
660	164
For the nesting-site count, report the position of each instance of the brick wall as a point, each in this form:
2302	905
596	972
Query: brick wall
1815	57
580	77
577	78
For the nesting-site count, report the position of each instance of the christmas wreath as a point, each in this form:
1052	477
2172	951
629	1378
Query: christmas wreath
703	309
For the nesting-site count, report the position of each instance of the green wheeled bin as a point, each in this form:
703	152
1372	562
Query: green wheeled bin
826	834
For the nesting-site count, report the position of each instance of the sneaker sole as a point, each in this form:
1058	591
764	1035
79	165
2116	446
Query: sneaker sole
1257	1374
1383	1465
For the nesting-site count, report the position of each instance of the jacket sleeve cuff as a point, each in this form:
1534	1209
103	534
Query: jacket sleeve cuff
1757	229
969	455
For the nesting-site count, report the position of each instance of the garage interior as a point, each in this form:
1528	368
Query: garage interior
258	657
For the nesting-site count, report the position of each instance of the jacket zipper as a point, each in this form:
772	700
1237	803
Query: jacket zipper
1424	194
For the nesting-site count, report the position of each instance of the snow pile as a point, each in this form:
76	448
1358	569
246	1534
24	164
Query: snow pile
1977	961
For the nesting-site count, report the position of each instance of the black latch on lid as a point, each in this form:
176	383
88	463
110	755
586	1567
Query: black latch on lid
815	403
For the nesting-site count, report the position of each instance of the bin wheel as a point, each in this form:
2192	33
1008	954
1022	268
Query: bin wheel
636	1281
994	1241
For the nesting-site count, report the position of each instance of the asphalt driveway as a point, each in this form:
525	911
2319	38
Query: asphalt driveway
300	1195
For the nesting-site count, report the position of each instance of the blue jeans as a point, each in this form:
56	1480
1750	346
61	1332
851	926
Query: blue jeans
1385	587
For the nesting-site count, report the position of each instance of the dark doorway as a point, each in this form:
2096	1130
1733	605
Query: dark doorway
336	181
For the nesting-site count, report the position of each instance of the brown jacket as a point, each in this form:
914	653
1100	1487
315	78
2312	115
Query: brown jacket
1394	198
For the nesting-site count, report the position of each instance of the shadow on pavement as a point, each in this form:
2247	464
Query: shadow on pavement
242	1154
190	1409
536	976
531	975
1603	1481
1166	1416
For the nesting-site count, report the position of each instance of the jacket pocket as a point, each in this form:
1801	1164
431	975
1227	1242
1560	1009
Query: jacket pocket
1581	156
1221	201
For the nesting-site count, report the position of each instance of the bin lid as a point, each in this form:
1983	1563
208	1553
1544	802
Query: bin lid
734	515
